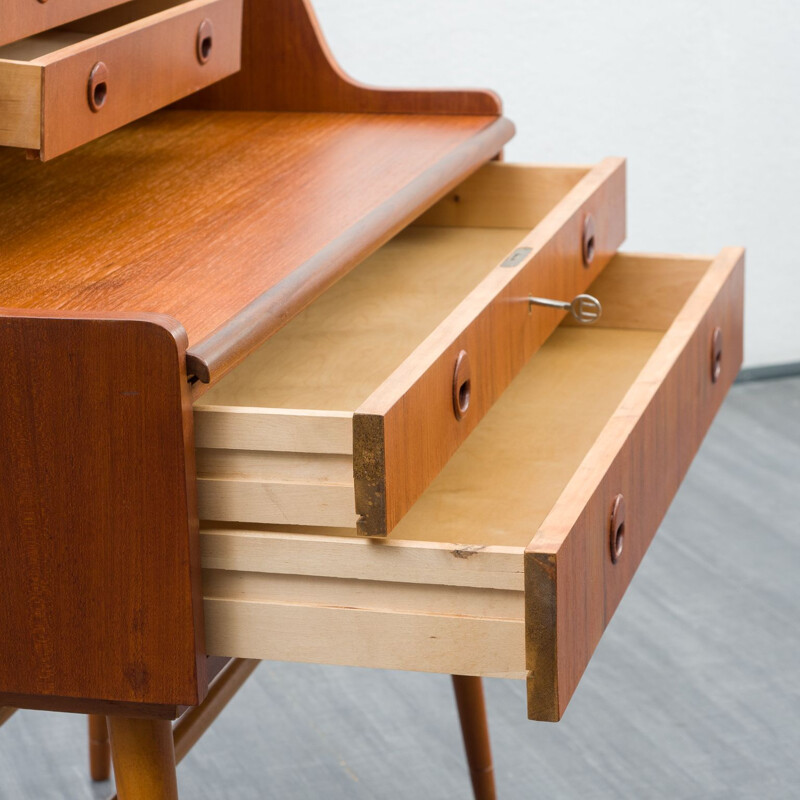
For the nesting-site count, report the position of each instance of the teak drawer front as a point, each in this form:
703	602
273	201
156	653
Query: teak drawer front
63	88
23	18
504	565
347	414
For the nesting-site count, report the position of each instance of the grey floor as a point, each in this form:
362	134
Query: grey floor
694	692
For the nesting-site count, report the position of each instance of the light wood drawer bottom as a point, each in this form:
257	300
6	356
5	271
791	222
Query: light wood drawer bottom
507	564
348	413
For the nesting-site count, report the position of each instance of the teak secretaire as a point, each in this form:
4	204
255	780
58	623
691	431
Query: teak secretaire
283	377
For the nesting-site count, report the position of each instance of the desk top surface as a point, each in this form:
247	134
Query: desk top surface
230	222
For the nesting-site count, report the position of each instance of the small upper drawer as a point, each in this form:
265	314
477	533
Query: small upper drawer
23	18
65	87
354	407
517	555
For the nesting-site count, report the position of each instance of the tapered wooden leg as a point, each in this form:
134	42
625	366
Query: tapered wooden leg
475	730
144	758
99	749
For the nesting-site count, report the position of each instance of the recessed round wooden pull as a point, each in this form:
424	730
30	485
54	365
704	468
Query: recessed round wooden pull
205	40
588	240
716	354
462	385
98	86
617	528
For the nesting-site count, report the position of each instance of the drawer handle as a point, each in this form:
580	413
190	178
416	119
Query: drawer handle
716	355
205	40
588	240
98	86
462	385
617	528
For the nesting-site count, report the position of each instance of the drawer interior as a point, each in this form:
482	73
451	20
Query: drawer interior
338	351
541	429
50	43
534	437
274	437
451	574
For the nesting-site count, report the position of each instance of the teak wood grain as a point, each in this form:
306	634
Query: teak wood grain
98	529
21	18
406	431
147	64
283	205
572	585
446	591
287	66
381	329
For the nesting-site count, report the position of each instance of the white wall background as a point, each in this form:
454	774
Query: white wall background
701	96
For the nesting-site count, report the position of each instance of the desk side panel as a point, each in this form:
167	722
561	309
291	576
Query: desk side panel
98	533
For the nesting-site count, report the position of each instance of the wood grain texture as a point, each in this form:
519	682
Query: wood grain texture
366	637
316	192
303	552
333	355
572	586
503	195
393	429
23	18
272	429
287	66
98	530
248	499
349	343
20	104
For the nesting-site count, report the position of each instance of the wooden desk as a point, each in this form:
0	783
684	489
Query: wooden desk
274	389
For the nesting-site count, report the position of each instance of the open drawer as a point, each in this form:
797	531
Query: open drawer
23	18
517	555
64	87
345	416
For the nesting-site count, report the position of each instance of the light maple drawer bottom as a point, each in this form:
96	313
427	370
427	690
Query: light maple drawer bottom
516	556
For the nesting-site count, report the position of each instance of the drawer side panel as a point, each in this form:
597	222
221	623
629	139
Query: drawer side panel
494	327
643	455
